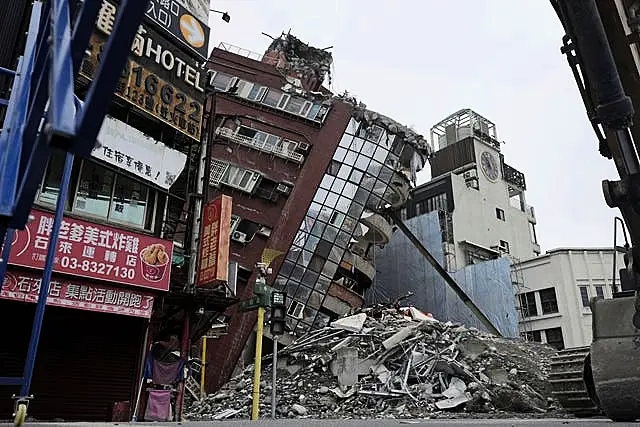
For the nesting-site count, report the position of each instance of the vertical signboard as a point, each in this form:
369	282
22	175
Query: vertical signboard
213	260
180	24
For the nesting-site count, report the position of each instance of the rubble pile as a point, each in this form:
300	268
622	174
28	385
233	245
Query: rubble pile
386	364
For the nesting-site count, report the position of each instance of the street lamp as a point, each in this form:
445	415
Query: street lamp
225	16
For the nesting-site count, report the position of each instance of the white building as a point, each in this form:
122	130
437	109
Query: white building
555	292
484	214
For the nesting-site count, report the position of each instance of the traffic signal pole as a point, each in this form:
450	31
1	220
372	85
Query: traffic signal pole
265	296
274	377
255	410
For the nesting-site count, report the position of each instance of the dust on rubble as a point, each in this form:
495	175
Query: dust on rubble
389	363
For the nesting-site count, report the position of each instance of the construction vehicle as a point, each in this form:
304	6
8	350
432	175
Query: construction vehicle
601	47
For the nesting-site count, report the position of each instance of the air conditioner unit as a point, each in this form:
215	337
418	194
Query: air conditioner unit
304	147
264	231
239	236
470	174
283	188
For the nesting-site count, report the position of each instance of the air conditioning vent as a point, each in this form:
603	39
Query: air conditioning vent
283	188
239	236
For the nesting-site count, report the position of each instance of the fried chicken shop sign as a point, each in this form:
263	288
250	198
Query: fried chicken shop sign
95	251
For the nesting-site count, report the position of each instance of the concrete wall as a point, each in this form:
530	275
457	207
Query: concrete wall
475	219
401	269
567	270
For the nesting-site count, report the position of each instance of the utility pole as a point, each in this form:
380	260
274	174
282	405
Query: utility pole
274	377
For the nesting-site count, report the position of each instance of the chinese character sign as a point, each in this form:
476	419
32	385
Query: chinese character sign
85	296
127	148
213	259
95	251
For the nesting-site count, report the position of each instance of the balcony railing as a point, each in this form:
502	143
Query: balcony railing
240	51
259	145
513	176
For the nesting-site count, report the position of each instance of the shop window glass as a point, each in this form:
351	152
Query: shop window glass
53	178
94	190
130	201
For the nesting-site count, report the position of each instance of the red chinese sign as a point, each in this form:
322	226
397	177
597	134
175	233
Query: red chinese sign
84	296
214	241
96	251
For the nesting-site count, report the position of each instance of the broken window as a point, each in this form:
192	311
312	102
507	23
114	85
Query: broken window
534	336
548	301
528	304
295	309
554	338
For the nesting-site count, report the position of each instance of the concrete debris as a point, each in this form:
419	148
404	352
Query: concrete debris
351	323
394	128
309	64
390	365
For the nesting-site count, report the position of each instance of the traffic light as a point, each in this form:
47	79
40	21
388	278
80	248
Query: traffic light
278	314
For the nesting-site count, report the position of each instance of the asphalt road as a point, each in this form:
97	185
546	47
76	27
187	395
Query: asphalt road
366	423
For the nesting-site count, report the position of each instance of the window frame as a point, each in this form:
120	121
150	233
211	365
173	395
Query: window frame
150	208
500	214
585	302
552	303
525	308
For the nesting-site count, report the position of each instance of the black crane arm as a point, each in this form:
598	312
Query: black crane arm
610	109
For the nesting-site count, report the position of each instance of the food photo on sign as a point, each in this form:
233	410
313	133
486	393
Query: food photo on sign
95	251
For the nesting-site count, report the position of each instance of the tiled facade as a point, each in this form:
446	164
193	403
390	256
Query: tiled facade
329	265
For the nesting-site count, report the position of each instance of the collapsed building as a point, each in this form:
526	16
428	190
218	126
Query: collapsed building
311	175
385	362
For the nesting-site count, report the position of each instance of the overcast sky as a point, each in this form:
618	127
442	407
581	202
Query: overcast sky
419	61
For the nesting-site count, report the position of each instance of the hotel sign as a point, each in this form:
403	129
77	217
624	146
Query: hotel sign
157	78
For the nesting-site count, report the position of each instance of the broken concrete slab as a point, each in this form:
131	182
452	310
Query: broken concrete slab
345	366
351	323
454	402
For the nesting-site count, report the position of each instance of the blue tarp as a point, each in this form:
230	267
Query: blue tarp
400	268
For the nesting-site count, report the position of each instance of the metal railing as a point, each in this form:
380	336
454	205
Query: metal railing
259	145
240	51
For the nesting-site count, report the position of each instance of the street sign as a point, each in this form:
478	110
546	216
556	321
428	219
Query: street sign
249	305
